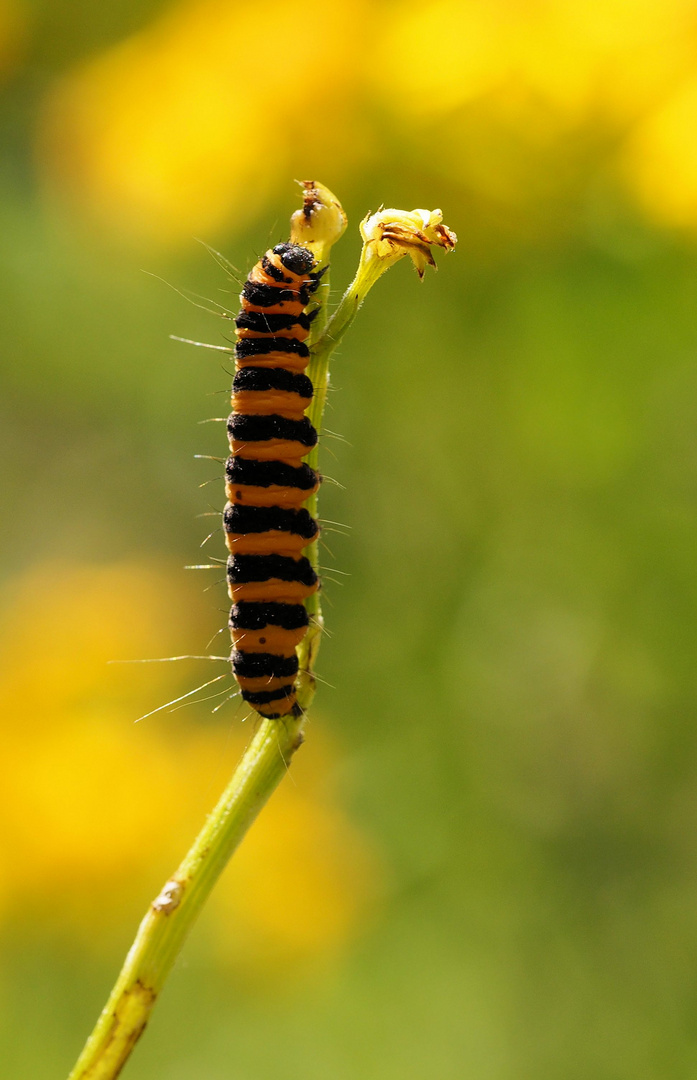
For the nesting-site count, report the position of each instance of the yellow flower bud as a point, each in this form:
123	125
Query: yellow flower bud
320	222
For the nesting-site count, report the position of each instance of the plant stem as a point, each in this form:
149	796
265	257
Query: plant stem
328	334
172	914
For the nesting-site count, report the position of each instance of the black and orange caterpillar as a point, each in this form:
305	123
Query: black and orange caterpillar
266	482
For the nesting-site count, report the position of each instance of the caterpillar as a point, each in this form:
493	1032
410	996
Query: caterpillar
266	525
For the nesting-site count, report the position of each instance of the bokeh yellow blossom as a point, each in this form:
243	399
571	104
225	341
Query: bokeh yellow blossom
660	160
196	121
608	60
577	56
97	811
439	55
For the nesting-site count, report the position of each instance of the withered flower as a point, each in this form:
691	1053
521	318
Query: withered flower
390	234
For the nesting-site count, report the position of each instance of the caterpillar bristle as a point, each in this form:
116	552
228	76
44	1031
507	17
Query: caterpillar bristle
175	701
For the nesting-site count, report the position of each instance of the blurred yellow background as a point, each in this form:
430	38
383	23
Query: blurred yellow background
483	864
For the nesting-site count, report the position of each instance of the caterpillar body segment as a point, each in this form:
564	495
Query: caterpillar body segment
266	525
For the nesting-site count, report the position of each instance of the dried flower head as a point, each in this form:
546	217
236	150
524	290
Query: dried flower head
390	234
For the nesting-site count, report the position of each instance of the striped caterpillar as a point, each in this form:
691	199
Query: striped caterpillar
266	526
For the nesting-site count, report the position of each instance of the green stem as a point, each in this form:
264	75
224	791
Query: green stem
319	377
327	336
172	914
369	270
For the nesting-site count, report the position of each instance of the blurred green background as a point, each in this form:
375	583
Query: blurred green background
483	865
